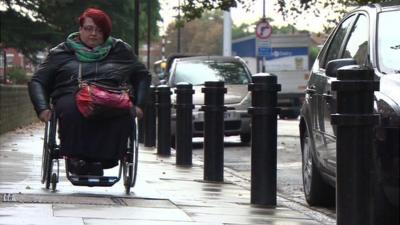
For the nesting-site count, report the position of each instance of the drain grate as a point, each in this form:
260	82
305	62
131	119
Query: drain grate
9	198
57	199
86	200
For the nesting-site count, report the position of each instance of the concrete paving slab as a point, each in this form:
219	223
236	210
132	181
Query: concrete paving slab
119	212
278	212
140	222
215	219
33	214
205	203
148	203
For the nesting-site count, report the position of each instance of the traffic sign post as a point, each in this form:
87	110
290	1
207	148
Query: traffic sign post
263	42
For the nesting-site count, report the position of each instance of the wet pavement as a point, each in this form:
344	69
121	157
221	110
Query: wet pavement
164	193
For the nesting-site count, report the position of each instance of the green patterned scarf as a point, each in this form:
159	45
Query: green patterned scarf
86	54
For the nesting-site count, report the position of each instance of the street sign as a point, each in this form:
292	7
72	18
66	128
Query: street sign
264	51
263	47
263	30
263	43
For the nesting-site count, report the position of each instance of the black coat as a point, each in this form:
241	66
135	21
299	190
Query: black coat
57	75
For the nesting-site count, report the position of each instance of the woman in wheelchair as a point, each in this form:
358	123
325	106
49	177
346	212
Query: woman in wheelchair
91	54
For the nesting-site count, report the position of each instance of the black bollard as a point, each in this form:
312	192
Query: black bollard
150	119
163	93
355	123
214	130
264	115
184	133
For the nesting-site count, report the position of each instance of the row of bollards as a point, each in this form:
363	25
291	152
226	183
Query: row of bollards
355	123
264	118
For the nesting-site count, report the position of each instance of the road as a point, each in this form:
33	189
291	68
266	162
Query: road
289	177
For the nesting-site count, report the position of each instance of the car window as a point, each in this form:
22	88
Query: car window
388	46
197	72
334	47
357	46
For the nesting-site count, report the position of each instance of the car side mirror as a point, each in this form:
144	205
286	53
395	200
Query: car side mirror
333	65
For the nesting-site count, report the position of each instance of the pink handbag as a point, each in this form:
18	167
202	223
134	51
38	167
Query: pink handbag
97	101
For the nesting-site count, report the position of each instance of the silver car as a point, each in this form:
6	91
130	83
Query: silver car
236	76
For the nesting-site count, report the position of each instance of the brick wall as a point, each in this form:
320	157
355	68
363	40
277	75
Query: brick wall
16	109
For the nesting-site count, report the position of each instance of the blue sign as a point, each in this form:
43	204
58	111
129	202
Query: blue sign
264	51
277	53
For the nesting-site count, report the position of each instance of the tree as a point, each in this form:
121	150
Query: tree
287	5
288	8
243	30
195	8
32	25
199	36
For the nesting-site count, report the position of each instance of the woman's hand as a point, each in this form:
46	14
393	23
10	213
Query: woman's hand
139	112
45	115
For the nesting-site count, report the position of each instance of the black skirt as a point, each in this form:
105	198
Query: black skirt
92	140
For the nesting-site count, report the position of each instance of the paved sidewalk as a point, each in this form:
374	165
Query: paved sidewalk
164	193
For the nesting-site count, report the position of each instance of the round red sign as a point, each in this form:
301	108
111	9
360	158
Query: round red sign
263	30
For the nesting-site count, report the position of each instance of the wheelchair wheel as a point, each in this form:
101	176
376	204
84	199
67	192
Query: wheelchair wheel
48	173
49	151
45	153
131	163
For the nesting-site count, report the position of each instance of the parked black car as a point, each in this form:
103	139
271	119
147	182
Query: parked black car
367	36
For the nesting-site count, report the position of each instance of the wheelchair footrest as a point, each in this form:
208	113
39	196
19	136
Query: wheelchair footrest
91	181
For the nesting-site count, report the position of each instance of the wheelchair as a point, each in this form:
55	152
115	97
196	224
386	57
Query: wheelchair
51	157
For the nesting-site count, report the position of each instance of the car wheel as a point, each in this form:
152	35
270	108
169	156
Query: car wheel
317	192
386	190
245	138
384	212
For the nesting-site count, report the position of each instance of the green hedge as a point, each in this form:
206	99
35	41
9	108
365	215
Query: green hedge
17	75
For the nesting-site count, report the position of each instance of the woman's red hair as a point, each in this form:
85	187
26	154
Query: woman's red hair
100	18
